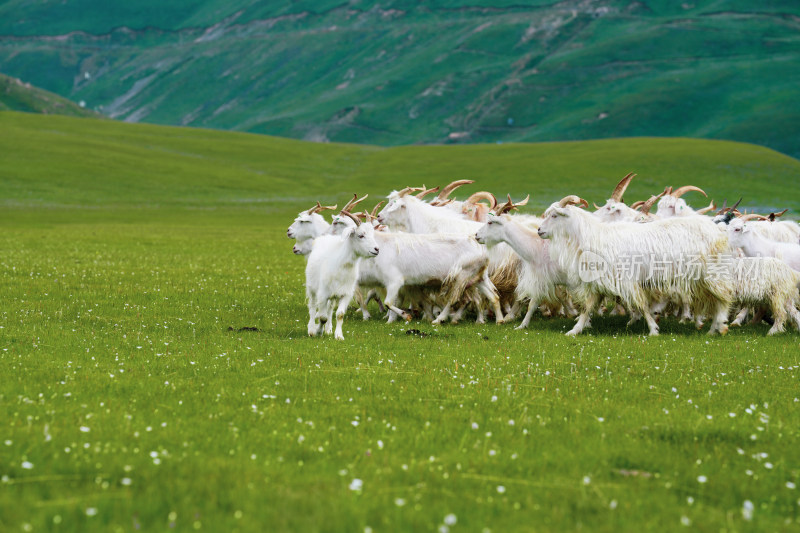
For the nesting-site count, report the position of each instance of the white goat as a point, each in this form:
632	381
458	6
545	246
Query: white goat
672	205
407	213
539	275
639	262
615	210
456	262
742	236
768	227
332	273
404	212
309	224
767	281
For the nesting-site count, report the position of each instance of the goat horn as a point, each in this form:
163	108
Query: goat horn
482	195
680	191
705	210
724	207
596	207
573	200
356	202
349	203
502	208
375	209
317	208
451	187
352	217
636	205
650	203
619	190
773	216
523	202
752	216
505	207
509	205
426	192
409	190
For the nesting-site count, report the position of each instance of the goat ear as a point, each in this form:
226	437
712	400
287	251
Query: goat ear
348	232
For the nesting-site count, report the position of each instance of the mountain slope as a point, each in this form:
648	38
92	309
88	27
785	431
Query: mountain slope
102	164
16	95
398	72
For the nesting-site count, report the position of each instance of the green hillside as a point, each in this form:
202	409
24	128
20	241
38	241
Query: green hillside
15	95
107	164
400	72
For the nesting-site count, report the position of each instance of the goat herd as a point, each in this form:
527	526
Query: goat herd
444	257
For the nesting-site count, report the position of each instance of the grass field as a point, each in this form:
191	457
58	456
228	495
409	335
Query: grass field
135	257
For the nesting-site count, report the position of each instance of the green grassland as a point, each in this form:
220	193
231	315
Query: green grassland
400	72
134	257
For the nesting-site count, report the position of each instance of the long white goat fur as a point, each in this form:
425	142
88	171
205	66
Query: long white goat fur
457	261
670	242
771	282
